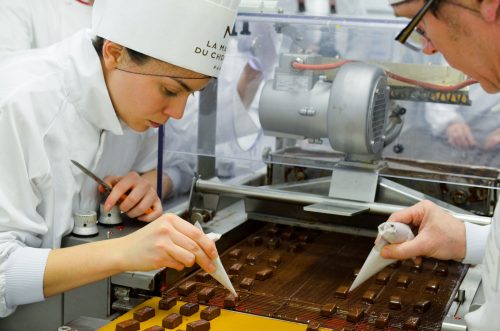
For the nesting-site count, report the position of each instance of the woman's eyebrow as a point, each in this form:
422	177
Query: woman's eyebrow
184	85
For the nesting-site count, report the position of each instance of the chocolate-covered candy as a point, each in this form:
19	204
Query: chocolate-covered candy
273	231
189	309
403	281
167	303
422	306
235	269
154	328
172	321
230	301
206	294
382	320
417	267
287	234
255	241
210	313
251	258
355	315
235	254
395	265
200	325
432	286
274	260
304	238
441	270
203	276
273	243
144	313
395	302
247	283
264	274
313	326
128	325
328	310
412	323
369	296
295	247
186	288
382	278
341	292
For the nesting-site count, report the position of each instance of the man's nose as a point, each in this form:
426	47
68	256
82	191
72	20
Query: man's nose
429	47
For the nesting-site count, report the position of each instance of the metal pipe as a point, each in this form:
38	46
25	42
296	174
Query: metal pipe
204	186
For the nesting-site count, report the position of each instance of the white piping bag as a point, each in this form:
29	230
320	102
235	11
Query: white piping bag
389	233
220	273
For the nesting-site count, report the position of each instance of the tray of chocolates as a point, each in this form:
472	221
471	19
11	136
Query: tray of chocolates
303	276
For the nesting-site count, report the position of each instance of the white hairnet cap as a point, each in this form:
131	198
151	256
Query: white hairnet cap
393	2
191	34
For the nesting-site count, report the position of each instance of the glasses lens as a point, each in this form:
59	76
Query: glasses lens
416	41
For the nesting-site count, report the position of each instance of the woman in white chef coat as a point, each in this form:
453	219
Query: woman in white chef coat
77	100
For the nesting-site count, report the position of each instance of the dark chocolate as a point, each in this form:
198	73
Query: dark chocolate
210	313
273	231
230	301
341	292
199	325
167	303
328	310
186	288
128	325
432	286
313	326
144	313
155	328
235	269
441	270
395	302
274	260
422	306
255	241
382	278
247	283
273	243
189	309
416	267
382	320
264	274
251	258
304	238
235	254
172	321
287	235
206	294
369	296
412	323
403	281
203	276
295	248
355	315
395	265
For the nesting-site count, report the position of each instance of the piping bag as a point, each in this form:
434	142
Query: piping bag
220	273
389	233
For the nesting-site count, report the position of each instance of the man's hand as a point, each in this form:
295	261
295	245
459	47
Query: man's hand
460	135
141	196
492	141
440	235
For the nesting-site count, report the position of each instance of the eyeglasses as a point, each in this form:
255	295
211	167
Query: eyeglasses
411	36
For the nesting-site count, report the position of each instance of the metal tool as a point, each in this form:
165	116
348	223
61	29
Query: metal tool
106	186
220	273
389	233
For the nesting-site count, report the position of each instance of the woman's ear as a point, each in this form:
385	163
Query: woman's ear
489	10
112	54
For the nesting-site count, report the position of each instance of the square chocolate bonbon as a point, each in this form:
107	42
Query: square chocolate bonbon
247	283
186	288
273	243
199	325
382	320
382	278
189	309
128	325
210	313
172	321
341	292
251	258
230	301
144	313
328	310
264	274
369	296
313	326
203	276
167	303
206	294
441	270
355	315
255	241
432	286
235	254
403	281
235	268
155	328
412	323
395	302
422	306
274	260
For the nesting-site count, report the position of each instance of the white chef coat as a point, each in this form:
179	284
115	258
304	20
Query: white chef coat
27	24
54	107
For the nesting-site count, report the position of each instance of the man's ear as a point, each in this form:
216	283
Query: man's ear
112	54
489	10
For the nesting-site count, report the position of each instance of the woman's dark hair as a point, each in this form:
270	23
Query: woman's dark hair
135	56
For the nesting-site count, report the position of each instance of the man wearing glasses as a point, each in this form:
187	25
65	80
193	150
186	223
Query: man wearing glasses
467	33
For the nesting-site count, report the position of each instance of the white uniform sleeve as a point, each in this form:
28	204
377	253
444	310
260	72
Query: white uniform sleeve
23	168
16	30
476	236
